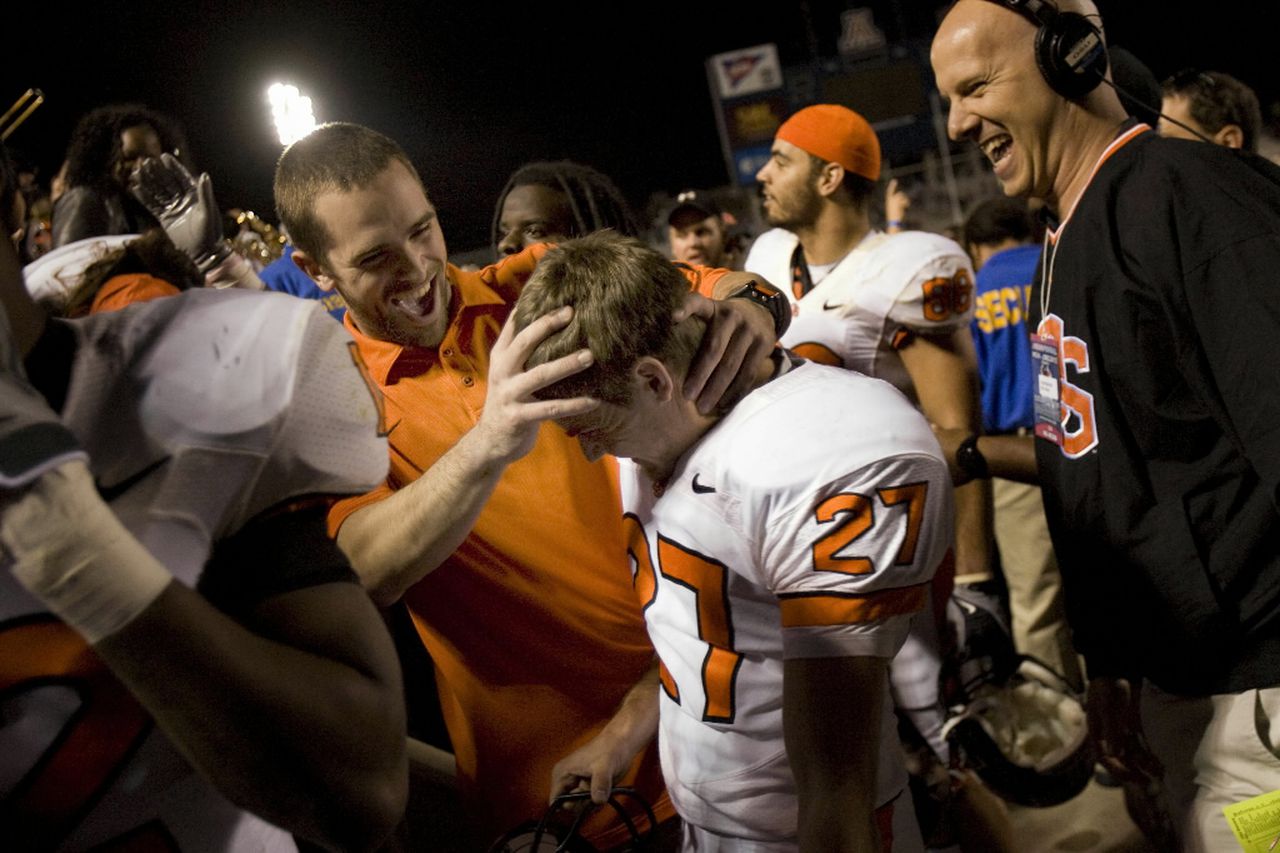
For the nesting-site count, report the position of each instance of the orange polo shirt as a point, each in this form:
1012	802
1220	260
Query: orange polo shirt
532	623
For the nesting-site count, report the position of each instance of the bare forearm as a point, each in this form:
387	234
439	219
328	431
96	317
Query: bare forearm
302	723
974	532
944	373
635	723
824	824
601	761
1012	457
831	723
943	370
396	542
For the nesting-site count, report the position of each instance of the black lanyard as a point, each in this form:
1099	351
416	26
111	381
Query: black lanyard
801	283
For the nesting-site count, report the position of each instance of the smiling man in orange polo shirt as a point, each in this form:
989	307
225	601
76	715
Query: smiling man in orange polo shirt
488	518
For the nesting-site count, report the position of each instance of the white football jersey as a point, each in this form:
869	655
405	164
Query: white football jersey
760	549
888	286
198	412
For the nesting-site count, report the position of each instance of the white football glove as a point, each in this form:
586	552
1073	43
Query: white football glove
184	206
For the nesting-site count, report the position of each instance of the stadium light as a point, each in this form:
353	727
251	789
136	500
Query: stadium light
291	112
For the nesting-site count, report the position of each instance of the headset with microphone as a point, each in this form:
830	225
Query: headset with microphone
1069	48
1071	54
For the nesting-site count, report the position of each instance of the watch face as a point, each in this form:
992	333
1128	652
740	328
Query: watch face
769	297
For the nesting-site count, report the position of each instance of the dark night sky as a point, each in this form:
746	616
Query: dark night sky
473	89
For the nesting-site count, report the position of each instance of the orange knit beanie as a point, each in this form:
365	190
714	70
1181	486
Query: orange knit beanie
836	134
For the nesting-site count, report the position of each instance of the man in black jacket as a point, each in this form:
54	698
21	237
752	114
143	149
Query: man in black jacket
1157	408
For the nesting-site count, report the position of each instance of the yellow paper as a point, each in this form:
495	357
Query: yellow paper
1256	823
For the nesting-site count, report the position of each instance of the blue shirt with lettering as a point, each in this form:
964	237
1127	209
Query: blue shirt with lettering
1002	338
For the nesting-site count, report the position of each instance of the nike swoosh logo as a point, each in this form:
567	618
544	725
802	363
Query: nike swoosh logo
700	489
110	493
827	306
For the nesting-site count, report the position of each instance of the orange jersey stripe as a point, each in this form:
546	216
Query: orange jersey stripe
818	609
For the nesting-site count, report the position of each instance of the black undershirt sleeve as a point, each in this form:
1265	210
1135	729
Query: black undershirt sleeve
284	549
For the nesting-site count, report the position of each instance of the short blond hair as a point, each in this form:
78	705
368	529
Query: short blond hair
623	295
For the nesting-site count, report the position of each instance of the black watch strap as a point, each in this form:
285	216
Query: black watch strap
771	298
970	460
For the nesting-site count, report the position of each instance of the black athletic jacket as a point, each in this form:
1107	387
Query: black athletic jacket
1163	502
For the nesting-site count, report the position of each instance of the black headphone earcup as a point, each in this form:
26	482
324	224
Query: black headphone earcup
1071	54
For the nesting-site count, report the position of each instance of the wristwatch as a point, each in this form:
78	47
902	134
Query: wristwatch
970	460
771	298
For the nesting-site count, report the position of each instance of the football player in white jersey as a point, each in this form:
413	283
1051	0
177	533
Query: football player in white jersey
186	660
896	307
777	577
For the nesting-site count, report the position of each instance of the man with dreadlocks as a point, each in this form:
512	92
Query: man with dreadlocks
105	147
549	202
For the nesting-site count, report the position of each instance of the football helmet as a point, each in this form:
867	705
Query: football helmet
1026	736
983	651
557	830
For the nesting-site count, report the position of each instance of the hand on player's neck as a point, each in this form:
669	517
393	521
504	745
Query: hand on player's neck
679	426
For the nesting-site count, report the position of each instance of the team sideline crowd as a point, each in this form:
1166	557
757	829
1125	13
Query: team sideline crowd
841	536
